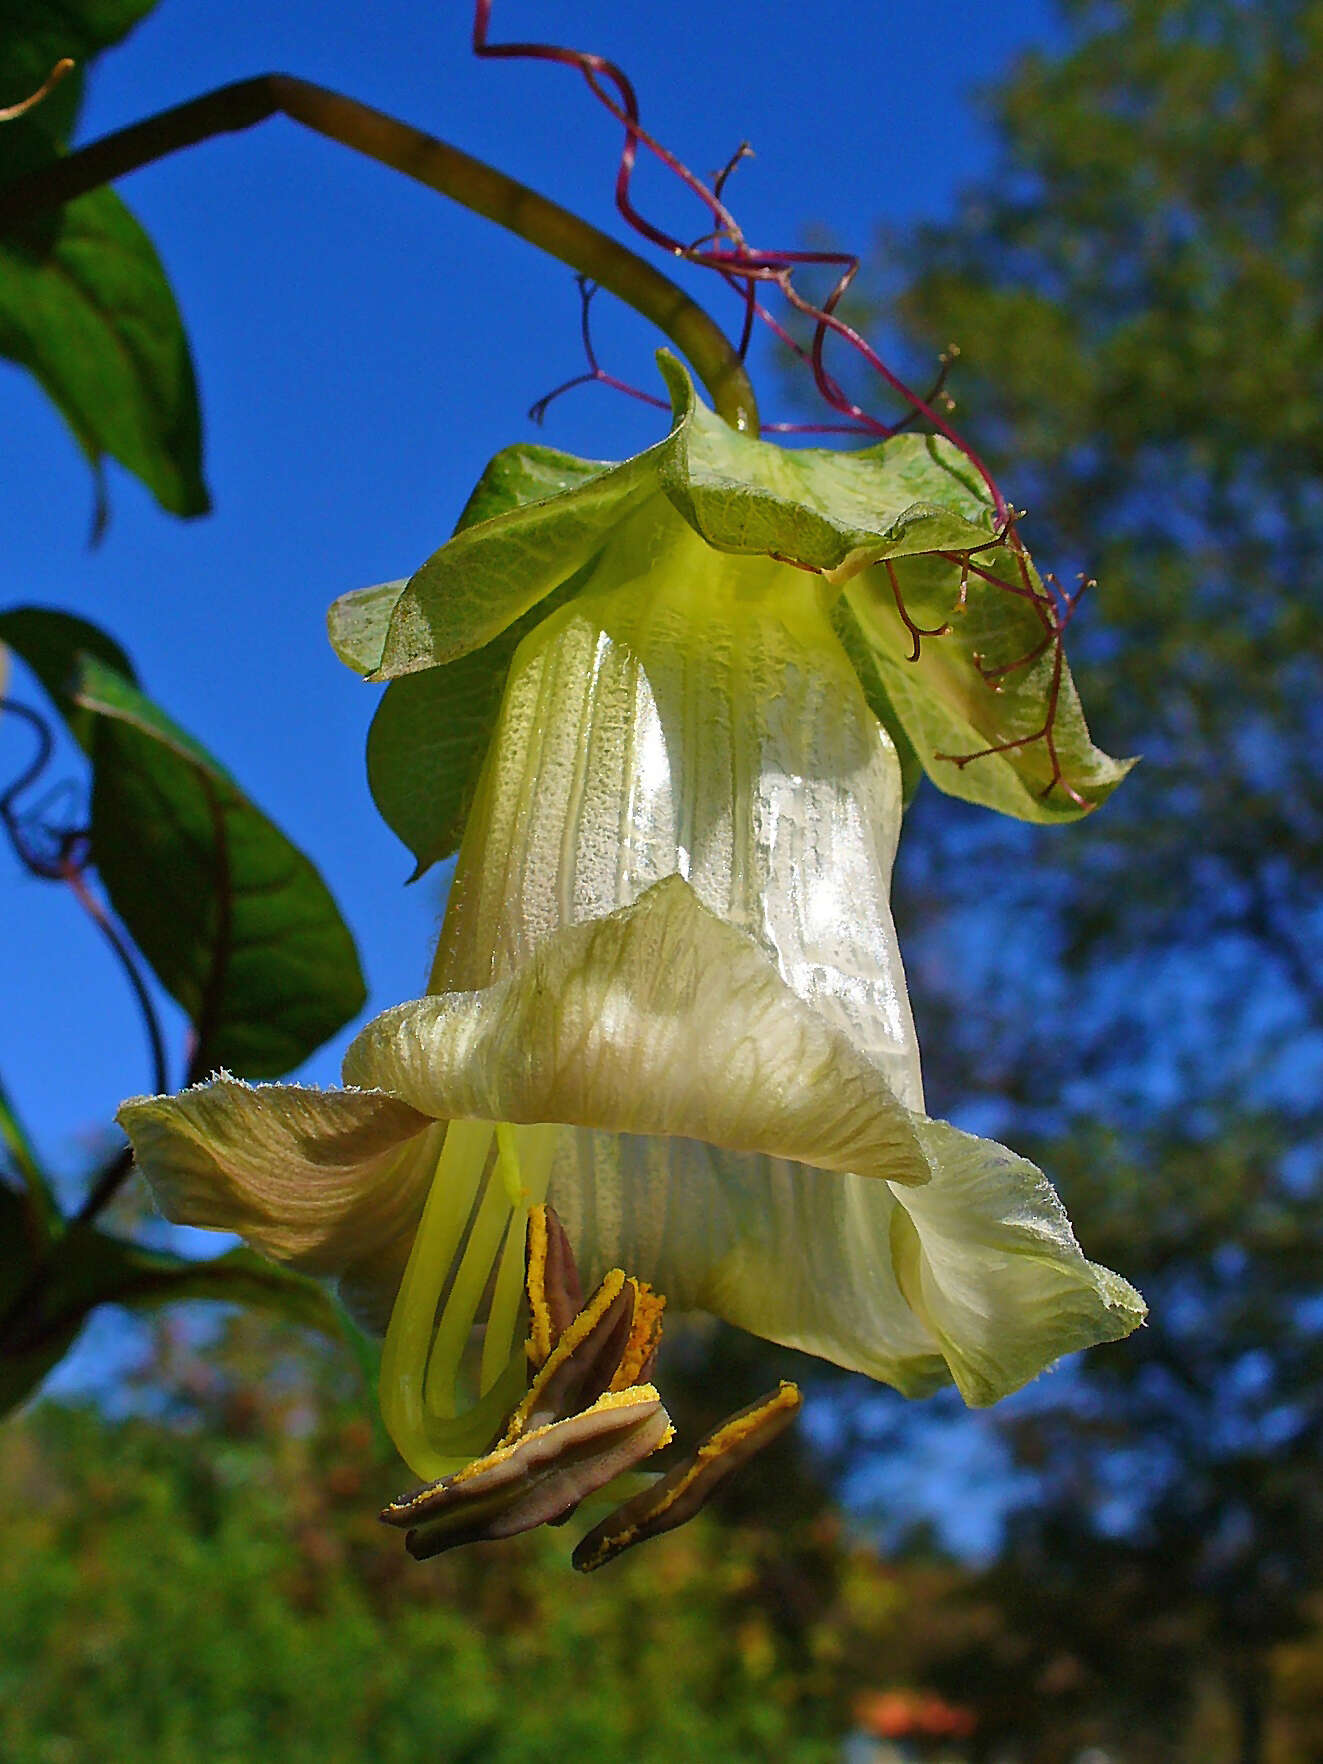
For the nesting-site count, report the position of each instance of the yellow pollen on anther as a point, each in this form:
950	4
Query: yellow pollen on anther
540	1335
644	1335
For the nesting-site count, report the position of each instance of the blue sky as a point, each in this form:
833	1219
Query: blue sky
363	347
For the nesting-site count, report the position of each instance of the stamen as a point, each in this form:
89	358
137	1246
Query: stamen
465	1299
588	1416
555	1295
530	1152
507	1153
469	1252
682	1491
537	1479
409	1338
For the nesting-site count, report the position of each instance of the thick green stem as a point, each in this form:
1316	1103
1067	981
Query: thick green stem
431	162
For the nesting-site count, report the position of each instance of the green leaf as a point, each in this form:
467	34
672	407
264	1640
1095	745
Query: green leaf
32	39
239	1277
41	1209
85	306
235	921
21	1368
84	303
53	643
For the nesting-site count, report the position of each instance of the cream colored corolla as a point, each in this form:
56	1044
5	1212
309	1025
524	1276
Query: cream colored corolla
668	997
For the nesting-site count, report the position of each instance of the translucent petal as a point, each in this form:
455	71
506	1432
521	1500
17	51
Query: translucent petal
973	1276
656	1019
330	1181
795	1255
695	714
986	1256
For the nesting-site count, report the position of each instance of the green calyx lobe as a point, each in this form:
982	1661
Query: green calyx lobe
885	539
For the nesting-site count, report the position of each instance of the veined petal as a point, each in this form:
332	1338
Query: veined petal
657	1019
330	1181
798	1256
986	1256
973	1276
700	718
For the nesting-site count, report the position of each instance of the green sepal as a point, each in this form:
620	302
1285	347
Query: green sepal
821	509
430	735
489	575
431	730
358	623
527	472
986	684
912	505
846	627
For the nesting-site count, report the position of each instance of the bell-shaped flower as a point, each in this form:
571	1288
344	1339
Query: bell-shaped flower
663	701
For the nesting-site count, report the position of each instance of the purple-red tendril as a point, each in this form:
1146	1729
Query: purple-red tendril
722	248
61	851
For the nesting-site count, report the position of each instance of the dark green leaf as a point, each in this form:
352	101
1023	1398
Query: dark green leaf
52	643
41	1209
86	307
22	1368
84	303
32	39
235	921
91	1268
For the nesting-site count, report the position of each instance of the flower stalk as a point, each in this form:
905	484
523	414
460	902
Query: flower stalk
428	161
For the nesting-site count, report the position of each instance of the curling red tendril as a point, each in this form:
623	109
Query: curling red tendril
723	249
58	848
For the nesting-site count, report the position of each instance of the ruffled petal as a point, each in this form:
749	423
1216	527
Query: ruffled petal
986	1256
974	1276
657	1019
330	1181
797	1256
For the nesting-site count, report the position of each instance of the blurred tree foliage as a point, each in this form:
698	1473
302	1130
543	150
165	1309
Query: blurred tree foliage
1136	295
206	1577
210	1580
